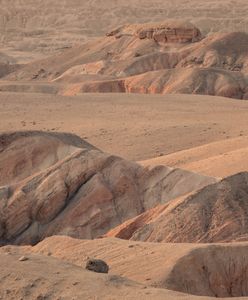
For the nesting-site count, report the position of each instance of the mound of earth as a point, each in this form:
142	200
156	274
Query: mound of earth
55	183
41	277
169	57
205	270
216	213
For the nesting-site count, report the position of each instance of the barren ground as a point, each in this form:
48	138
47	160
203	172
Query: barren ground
204	134
136	127
38	27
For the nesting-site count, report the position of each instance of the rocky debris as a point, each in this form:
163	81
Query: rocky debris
97	265
59	184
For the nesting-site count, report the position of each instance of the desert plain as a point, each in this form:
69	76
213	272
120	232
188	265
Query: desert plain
124	137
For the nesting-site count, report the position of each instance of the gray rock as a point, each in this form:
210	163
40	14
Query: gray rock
97	265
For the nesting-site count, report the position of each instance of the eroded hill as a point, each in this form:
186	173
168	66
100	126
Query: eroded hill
216	213
55	183
158	58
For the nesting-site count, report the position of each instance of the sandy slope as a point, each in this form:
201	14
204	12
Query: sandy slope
206	270
219	159
48	278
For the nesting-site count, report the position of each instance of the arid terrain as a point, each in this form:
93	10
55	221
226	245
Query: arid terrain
39	27
124	138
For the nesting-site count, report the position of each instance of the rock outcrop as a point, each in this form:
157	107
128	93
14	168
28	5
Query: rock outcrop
59	184
212	81
170	57
216	213
167	32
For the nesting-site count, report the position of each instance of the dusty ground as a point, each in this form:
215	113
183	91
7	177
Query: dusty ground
36	28
136	127
204	270
203	134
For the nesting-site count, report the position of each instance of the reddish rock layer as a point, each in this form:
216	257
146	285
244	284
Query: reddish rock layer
59	184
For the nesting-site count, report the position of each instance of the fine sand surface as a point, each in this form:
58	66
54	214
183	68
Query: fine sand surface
136	127
218	159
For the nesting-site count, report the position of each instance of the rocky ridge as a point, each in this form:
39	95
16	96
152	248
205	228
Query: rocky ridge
169	57
59	184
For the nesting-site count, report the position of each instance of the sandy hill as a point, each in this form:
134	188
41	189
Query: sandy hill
167	57
48	278
55	183
205	270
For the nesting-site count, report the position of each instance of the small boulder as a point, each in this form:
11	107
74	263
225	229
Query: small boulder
23	258
97	265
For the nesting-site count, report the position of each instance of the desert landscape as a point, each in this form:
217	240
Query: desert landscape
123	149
